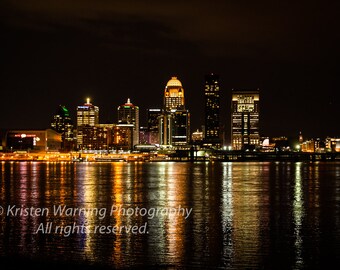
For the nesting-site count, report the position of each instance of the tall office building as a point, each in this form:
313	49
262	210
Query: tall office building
212	134
245	119
181	132
174	122
153	116
166	122
63	124
87	115
174	95
129	114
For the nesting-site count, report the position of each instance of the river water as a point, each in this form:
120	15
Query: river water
228	215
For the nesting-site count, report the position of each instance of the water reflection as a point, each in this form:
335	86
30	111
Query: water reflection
298	212
227	214
244	215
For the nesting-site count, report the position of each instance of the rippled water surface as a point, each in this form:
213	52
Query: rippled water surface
257	215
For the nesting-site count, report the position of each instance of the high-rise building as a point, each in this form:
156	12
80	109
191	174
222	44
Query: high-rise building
153	116
212	134
174	123
129	114
174	95
245	119
143	135
87	115
181	132
166	122
63	124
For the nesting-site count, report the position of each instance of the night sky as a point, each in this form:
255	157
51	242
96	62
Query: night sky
60	52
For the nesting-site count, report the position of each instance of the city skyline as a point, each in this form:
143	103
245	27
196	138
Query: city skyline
143	115
61	53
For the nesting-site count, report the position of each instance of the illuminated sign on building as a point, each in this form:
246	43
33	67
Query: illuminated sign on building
23	135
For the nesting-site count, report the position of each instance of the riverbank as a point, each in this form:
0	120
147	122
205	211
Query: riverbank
215	155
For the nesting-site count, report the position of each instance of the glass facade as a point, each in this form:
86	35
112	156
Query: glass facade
212	110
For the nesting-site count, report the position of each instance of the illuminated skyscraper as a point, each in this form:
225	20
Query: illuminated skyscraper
87	115
174	95
166	121
174	123
181	132
245	119
153	125
129	114
212	110
63	124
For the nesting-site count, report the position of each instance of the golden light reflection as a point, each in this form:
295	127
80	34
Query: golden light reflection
175	191
156	195
249	209
298	213
227	210
117	200
23	200
2	182
93	198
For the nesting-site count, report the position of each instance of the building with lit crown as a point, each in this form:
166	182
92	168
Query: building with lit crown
63	124
87	115
174	122
212	136
128	113
245	114
173	95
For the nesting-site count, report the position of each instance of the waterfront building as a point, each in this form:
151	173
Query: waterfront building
107	137
197	136
174	122
315	146
124	137
3	133
97	137
62	123
281	143
212	135
332	144
308	146
128	113
41	140
245	112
